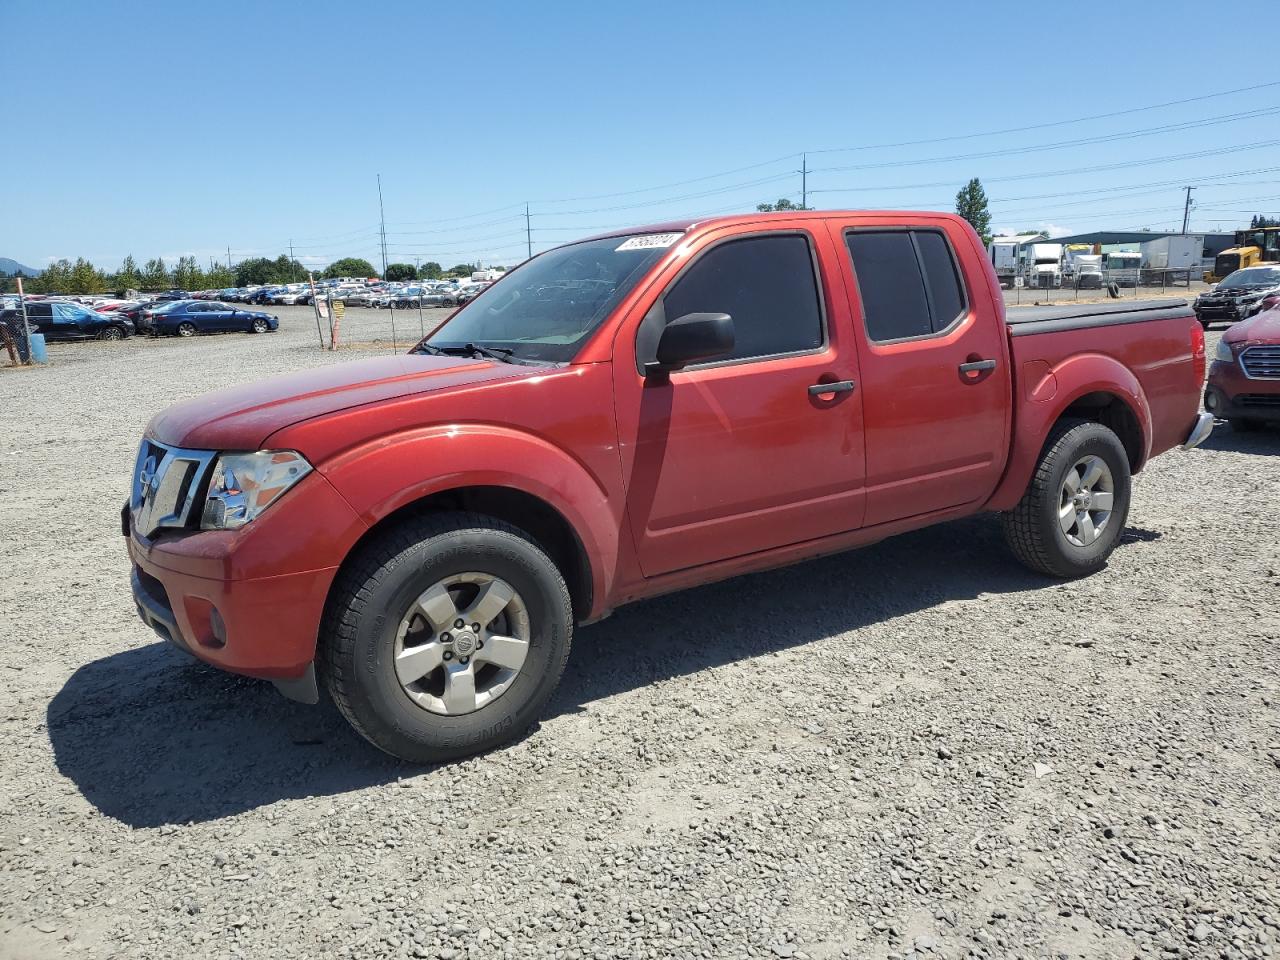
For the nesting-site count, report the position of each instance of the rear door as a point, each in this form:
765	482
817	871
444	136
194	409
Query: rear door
740	454
935	377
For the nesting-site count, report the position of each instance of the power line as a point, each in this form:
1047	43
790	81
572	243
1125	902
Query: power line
1045	126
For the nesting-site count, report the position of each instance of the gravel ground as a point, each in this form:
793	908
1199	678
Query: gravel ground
914	749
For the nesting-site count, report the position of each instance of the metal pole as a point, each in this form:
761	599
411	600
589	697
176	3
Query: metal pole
528	233
804	181
26	324
382	219
394	348
315	306
1186	211
422	326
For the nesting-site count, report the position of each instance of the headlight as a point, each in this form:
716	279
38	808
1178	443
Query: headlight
244	484
1223	352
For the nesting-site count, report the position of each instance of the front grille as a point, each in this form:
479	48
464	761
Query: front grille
1261	363
1269	400
166	485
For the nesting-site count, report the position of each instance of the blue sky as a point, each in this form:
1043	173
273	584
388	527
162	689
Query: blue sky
169	129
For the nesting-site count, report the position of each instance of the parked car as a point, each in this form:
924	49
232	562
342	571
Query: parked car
429	527
63	320
1239	296
186	318
173	295
1244	378
440	297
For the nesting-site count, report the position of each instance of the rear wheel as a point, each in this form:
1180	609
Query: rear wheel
1075	508
186	329
445	637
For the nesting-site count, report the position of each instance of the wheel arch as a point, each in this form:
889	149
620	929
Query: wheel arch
1090	387
547	526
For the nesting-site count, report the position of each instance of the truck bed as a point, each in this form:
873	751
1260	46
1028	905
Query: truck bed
1023	321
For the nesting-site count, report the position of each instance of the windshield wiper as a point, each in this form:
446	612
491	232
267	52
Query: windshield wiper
501	354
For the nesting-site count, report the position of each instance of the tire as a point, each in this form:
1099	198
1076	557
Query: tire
186	329
260	326
1033	529
1244	425
372	606
112	333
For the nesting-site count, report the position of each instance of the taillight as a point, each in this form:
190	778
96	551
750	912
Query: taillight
1197	350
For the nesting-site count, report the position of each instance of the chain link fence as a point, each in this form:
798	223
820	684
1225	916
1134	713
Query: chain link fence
1137	284
15	330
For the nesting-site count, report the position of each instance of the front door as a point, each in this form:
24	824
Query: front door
935	377
741	454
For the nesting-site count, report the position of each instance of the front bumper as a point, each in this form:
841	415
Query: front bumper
251	600
1231	395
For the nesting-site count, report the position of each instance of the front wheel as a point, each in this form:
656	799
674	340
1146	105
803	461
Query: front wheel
261	326
186	329
445	637
1075	508
112	333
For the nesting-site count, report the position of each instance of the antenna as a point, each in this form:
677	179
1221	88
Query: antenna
382	219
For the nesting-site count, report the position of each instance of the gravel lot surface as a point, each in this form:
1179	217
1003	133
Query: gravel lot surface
915	749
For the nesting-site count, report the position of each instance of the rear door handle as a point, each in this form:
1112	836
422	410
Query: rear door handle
977	366
839	386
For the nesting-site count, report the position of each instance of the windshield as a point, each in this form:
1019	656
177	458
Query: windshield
1252	277
545	309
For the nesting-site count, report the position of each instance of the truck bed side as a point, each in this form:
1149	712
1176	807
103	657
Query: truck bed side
1137	367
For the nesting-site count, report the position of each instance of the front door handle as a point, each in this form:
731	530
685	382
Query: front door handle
975	367
822	389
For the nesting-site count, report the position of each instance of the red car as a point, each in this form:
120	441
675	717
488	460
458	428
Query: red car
1244	379
626	416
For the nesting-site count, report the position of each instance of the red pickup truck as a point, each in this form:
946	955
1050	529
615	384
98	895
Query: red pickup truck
625	416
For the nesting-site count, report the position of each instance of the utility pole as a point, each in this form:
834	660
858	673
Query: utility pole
383	229
291	249
804	181
1186	211
528	233
228	258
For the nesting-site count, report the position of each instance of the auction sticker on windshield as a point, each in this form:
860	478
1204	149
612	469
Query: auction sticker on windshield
650	241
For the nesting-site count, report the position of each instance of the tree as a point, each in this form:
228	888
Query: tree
431	271
782	204
85	278
127	277
155	276
55	278
401	271
219	277
349	267
462	269
971	203
1262	220
187	275
285	270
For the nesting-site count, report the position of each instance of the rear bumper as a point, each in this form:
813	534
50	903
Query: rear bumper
1200	432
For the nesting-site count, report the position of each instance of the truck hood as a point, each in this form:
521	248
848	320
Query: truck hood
241	418
1261	328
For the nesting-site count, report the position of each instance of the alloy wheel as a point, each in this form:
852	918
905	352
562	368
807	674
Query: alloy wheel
1086	500
462	643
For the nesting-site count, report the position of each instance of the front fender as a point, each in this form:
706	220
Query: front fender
1044	395
385	475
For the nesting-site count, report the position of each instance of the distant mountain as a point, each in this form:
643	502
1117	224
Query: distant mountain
11	267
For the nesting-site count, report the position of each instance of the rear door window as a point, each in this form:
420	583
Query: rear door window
907	280
766	284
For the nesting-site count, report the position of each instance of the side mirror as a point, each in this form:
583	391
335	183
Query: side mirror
693	337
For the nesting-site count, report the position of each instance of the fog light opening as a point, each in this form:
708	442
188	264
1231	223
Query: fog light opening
217	627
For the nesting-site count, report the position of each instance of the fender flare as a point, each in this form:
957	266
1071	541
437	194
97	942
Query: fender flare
392	472
1043	400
